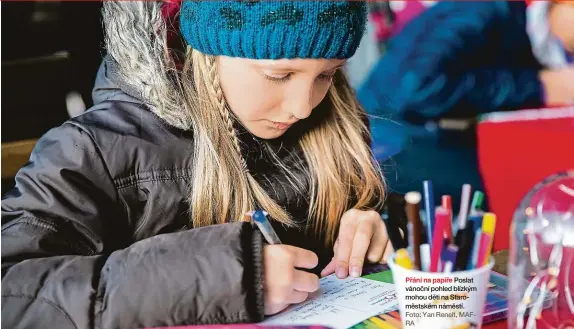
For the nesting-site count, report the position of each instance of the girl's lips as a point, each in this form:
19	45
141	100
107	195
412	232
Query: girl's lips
281	125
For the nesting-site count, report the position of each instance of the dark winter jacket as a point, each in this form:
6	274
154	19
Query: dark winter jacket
457	59
96	233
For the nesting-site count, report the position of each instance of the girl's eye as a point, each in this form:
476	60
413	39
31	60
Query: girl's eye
278	79
328	76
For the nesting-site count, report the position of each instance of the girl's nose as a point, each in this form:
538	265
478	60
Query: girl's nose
299	103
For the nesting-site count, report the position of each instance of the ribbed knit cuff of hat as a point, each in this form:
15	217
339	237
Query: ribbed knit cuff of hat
274	29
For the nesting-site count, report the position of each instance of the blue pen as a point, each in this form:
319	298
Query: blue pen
476	217
260	219
475	250
429	209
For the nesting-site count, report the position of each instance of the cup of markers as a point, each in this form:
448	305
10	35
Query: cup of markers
442	278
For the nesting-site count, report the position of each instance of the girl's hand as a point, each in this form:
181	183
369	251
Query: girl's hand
284	284
362	234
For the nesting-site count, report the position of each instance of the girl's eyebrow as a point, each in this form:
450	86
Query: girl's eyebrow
282	67
338	66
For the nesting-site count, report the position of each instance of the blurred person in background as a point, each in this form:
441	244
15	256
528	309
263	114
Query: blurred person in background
457	60
132	214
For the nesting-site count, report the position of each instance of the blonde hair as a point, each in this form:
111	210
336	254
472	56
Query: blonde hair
341	170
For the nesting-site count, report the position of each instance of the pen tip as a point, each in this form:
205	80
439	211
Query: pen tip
258	216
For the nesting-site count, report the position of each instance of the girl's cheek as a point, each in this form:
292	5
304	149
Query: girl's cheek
252	106
263	110
250	96
263	102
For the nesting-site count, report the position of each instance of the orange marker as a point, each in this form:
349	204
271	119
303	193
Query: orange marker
392	320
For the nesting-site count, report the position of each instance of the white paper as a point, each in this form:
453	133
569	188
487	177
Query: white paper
339	303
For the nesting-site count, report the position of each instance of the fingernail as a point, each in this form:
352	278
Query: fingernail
355	272
341	273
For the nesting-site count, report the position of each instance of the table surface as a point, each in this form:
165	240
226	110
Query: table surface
500	262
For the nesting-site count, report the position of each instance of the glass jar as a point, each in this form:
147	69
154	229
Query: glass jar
541	275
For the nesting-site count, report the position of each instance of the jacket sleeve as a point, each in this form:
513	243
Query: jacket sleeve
62	264
431	68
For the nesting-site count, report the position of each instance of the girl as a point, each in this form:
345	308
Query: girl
131	215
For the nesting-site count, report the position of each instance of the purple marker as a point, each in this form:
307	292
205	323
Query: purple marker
449	258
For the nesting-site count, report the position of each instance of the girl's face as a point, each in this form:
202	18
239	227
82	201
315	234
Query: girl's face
268	96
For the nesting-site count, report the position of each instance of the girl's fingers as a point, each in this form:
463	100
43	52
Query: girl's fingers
275	308
361	243
305	282
329	269
349	223
297	297
303	258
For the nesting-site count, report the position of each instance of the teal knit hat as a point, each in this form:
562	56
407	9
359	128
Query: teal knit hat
261	29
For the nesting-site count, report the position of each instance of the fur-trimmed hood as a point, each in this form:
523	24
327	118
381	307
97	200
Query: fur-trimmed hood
141	60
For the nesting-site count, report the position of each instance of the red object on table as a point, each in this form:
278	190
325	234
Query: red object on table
517	150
